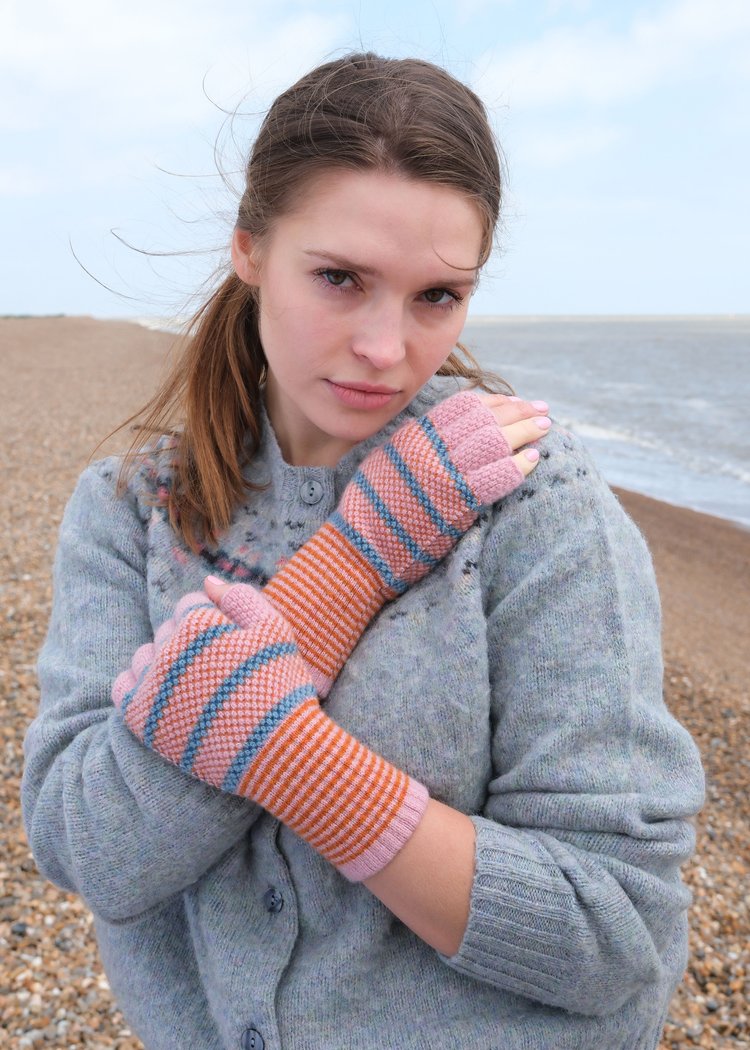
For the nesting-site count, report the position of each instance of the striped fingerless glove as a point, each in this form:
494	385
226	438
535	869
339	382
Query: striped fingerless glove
408	504
236	707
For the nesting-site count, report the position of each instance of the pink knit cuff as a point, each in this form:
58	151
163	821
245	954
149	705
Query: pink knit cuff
394	837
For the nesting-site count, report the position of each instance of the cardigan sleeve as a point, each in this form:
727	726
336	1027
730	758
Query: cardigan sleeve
106	817
577	901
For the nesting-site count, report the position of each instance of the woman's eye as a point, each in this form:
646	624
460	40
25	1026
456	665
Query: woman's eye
440	297
335	277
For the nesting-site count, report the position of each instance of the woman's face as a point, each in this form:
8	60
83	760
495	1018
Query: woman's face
364	287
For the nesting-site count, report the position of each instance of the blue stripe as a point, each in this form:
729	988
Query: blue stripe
177	669
440	447
418	492
364	547
126	700
240	674
392	522
270	721
129	696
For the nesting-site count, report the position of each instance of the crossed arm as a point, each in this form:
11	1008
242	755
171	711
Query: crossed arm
228	690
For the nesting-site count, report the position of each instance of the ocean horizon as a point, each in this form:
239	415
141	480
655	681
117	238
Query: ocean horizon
660	400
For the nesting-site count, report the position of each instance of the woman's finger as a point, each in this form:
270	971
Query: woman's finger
508	410
215	588
526	460
526	430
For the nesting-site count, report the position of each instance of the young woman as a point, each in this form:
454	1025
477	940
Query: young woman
351	730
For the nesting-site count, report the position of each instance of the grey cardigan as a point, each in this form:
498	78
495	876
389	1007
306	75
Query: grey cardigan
520	682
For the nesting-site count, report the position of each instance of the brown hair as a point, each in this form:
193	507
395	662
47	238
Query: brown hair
360	112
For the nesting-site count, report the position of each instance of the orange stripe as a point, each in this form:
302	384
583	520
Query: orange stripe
343	774
327	587
297	764
361	795
304	766
307	611
306	603
310	622
349	824
362	843
328	555
346	565
367	789
309	809
308	630
329	548
367	821
294	734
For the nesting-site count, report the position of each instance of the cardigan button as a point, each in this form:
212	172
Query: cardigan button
273	901
311	492
252	1040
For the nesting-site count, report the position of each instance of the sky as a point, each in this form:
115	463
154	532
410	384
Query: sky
625	129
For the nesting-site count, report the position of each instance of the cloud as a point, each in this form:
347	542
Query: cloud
596	66
141	66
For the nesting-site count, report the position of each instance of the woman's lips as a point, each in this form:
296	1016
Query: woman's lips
362	395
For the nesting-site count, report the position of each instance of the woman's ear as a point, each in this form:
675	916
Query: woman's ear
242	257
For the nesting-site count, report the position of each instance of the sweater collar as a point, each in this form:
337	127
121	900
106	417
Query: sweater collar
269	467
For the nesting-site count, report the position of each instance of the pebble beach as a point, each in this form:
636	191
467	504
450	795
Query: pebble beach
68	382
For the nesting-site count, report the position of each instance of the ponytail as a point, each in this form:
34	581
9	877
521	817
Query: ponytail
209	403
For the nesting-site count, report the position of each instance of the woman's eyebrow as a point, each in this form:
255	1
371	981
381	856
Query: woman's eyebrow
342	263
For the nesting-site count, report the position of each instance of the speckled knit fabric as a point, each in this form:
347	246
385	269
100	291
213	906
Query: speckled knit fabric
519	681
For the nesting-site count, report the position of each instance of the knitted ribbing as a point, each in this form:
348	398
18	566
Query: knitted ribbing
236	708
409	503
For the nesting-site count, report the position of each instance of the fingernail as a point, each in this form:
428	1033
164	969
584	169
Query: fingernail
543	422
215	579
540	406
532	454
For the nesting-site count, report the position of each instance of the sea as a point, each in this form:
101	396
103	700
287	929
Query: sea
662	403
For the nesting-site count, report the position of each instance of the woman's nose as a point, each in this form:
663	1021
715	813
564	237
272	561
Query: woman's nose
381	337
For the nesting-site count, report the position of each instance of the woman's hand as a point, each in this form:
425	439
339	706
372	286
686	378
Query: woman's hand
521	423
